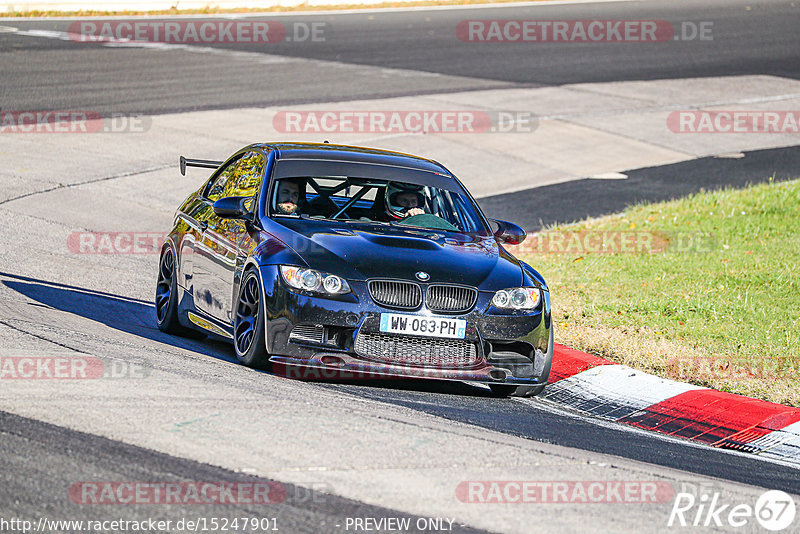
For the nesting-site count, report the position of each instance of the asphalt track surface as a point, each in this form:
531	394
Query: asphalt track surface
61	74
40	73
40	460
27	445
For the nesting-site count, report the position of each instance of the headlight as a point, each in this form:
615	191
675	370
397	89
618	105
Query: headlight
520	298
314	281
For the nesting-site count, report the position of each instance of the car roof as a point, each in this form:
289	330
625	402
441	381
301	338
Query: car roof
346	153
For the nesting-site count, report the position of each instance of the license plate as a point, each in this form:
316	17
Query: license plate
416	325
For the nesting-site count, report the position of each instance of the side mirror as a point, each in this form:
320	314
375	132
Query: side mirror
508	232
233	208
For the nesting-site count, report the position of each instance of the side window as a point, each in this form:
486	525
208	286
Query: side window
246	178
217	189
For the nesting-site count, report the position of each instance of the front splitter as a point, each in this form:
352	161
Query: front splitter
344	366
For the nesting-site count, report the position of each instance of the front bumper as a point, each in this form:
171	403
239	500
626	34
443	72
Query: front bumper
511	347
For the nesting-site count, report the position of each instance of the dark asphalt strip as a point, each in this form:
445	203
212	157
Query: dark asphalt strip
747	39
740	39
40	462
572	201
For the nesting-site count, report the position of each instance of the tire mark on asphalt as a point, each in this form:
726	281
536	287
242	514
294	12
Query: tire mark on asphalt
12	327
85	182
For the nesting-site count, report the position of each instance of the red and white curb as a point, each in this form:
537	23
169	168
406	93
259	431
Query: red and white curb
619	393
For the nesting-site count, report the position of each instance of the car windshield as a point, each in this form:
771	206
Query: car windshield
350	199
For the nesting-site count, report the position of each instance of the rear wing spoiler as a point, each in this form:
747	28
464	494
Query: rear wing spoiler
207	163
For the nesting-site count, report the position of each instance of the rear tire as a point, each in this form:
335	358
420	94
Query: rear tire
248	324
167	299
504	390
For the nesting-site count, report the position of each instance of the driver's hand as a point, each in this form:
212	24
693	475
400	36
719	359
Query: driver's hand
414	211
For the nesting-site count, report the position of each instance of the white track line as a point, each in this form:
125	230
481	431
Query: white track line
255	57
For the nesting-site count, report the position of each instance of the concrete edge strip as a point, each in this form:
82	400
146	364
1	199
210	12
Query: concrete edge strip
601	388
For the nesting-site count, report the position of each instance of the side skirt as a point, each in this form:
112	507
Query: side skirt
207	325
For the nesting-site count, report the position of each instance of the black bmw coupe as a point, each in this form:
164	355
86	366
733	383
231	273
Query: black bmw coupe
356	259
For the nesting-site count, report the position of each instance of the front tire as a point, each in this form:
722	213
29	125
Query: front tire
166	300
248	324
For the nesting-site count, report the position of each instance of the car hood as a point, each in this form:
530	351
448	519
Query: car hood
360	252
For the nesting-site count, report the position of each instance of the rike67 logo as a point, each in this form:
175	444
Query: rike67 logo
774	510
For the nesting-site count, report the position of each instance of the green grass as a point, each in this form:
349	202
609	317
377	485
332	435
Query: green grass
724	314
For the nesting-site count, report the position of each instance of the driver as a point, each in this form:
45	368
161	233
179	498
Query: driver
288	195
405	200
410	201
